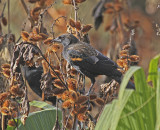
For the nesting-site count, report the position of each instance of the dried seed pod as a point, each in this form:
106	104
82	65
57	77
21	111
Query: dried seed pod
92	97
57	83
82	110
11	123
123	52
120	63
118	7
134	58
78	25
65	95
6	103
73	97
68	123
44	36
5	66
57	72
55	47
82	100
109	5
73	72
25	35
4	21
4	95
35	30
48	41
71	23
57	91
72	84
109	10
81	117
123	56
14	89
99	101
126	47
20	92
6	73
34	38
5	111
86	28
66	104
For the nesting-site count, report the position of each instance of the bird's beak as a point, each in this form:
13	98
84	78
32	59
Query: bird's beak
57	40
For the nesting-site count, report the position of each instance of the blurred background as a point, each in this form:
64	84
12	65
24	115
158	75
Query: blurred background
146	13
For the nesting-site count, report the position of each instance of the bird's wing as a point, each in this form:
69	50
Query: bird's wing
82	52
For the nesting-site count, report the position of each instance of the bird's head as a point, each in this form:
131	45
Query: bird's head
66	39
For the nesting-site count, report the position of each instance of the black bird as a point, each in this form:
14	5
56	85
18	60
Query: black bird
87	60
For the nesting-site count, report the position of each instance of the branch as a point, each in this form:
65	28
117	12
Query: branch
27	12
27	43
56	20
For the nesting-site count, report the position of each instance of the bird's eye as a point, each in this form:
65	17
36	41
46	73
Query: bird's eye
60	37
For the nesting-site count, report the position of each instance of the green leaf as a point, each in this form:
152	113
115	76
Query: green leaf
158	102
40	104
41	120
153	69
111	114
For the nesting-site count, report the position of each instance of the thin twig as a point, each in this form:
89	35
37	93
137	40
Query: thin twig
56	20
3	10
3	122
47	62
27	12
75	13
40	21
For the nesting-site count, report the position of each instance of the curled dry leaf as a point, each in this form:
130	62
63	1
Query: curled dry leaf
48	41
82	110
73	97
25	35
72	84
66	104
6	73
66	95
120	63
81	117
11	123
71	22
99	101
5	111
4	21
134	58
43	36
57	91
4	95
67	1
6	103
92	97
82	100
5	66
57	83
78	25
86	28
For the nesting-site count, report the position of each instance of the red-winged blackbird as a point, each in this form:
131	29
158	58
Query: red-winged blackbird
87	60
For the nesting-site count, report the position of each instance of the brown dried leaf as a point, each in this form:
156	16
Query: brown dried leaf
5	66
72	23
72	84
82	100
57	83
86	28
92	97
78	25
81	117
48	41
4	21
66	104
134	58
99	101
25	35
